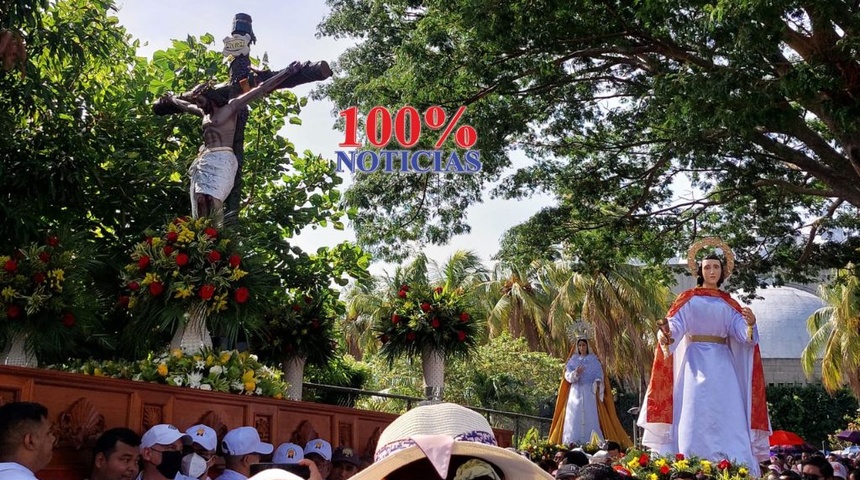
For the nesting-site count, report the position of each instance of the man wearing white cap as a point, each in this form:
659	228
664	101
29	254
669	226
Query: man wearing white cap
319	452
242	448
288	453
195	465
161	452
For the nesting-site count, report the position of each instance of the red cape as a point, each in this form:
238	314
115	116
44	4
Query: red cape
661	385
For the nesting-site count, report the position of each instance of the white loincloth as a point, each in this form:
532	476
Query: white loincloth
212	173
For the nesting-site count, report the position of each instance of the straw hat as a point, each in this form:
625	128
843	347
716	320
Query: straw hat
437	432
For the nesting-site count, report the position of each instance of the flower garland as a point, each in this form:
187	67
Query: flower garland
45	293
188	264
642	465
221	371
419	317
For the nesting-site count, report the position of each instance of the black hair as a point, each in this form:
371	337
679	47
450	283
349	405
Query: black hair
16	420
821	463
587	346
575	457
610	445
700	280
683	476
790	475
598	471
106	443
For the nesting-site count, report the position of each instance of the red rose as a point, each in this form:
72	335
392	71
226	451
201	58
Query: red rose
13	311
308	299
464	317
404	287
69	320
11	266
143	262
181	259
241	295
401	294
435	322
148	240
39	278
425	307
724	464
461	336
45	257
235	260
168	250
679	456
123	300
53	241
410	337
643	460
172	236
133	286
395	319
213	256
315	324
664	469
297	308
383	339
438	290
155	288
206	291
211	232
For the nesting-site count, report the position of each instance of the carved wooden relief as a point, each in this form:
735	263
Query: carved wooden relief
79	426
213	420
7	396
344	434
152	415
304	433
263	424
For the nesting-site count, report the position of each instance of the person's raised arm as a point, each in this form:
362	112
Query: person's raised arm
186	106
263	88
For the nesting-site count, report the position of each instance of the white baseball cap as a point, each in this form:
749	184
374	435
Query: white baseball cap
163	434
320	447
204	436
288	453
244	441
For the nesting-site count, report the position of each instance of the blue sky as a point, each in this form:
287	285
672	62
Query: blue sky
286	30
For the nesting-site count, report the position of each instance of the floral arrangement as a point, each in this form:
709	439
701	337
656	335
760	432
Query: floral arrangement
419	317
303	326
221	371
190	264
45	293
640	464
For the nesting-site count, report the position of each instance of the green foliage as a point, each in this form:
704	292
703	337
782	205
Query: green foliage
651	123
341	371
810	411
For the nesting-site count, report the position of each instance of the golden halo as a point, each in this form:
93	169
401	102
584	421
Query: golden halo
711	242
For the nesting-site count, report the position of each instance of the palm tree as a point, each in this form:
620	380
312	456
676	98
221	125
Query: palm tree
619	307
516	304
365	302
835	331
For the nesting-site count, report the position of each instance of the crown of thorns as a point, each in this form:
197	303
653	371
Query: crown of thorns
710	242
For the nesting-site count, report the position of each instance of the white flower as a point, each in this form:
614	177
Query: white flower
253	357
200	365
177	380
237	385
258	391
137	377
205	386
194	379
216	370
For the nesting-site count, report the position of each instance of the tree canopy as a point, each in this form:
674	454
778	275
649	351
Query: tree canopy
621	107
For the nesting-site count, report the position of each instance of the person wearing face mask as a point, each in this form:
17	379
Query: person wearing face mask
242	448
161	452
200	456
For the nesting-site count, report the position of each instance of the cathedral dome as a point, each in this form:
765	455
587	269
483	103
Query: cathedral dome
781	316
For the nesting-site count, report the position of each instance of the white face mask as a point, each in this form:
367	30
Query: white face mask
194	466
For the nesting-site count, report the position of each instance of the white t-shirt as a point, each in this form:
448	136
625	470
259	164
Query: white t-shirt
15	471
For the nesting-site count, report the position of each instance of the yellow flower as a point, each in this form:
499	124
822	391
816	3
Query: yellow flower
210	360
238	273
652	476
176	352
278	396
4	258
156	241
250	386
248	376
56	277
185	235
225	357
197	358
8	293
706	467
98	372
149	278
162	369
659	462
184	292
131	268
220	303
132	302
682	464
743	472
633	464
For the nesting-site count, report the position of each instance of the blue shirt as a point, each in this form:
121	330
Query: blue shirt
231	475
